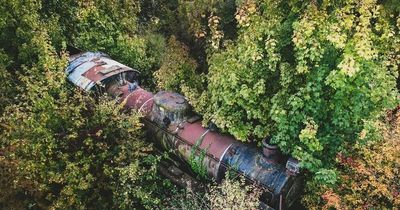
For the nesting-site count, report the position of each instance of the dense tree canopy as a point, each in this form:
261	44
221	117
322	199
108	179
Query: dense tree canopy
60	148
310	75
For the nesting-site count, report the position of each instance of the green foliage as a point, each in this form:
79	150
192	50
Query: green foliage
6	79
230	194
341	81
17	23
196	160
191	199
60	148
244	75
367	178
309	74
67	148
139	186
199	24
98	29
234	194
177	68
199	17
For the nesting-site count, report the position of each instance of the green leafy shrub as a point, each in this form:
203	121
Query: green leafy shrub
340	82
66	147
230	194
367	178
198	24
6	90
60	148
177	68
198	19
309	74
234	194
243	76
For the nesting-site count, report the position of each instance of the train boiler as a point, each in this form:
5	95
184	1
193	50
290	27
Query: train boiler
172	126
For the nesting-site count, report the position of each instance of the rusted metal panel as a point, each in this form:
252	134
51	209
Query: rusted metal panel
213	142
76	75
79	59
139	99
216	144
192	132
88	69
106	68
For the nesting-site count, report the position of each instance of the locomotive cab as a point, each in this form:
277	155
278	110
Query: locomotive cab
96	70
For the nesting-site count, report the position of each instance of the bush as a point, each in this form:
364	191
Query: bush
367	176
198	20
60	148
234	194
341	81
230	194
308	74
244	74
177	68
67	148
6	79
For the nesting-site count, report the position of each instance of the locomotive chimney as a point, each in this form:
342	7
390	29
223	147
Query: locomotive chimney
271	151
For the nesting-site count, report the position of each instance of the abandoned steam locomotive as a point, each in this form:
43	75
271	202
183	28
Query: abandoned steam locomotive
167	119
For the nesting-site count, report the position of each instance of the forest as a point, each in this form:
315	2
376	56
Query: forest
319	77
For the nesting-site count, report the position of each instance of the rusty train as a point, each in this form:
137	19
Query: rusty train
172	126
